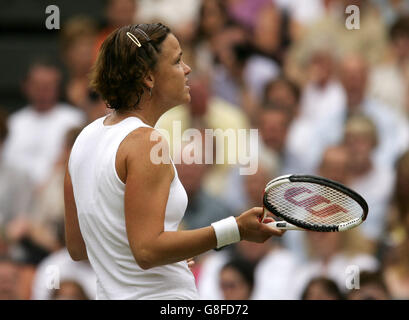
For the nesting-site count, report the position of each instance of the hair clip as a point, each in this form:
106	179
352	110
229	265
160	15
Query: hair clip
134	39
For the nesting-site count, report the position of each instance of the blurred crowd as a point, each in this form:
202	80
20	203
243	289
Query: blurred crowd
325	99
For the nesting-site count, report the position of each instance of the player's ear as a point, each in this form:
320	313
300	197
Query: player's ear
149	81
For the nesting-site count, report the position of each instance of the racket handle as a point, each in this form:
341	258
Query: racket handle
284	225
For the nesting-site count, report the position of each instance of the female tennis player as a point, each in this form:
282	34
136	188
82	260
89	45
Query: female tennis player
122	210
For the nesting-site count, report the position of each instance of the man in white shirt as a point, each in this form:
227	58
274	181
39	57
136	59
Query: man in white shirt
392	129
37	131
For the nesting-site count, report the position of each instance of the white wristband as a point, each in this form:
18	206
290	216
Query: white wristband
227	231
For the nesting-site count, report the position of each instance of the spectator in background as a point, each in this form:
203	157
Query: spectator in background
400	200
47	212
240	74
396	257
274	122
236	280
369	40
389	81
371	287
322	288
371	180
78	36
16	192
212	19
334	164
396	270
393	131
264	257
263	20
323	93
37	131
303	14
179	15
299	146
118	13
283	92
330	253
95	107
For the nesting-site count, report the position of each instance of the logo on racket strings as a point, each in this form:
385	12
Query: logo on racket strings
310	202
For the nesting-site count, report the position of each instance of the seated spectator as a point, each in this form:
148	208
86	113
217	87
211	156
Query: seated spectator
179	15
212	19
300	147
118	13
369	40
47	210
388	81
400	201
78	36
236	280
330	254
37	131
16	192
283	92
94	107
364	175
371	287
322	289
322	93
393	131
396	257
395	273
240	73
274	123
334	164
265	257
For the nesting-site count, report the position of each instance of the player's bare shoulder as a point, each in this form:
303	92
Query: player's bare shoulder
146	150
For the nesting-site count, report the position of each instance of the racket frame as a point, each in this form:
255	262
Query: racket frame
296	224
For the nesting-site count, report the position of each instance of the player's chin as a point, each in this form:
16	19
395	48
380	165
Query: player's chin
186	98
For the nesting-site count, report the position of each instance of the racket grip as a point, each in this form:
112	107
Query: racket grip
284	225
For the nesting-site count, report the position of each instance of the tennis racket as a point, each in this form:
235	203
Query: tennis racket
305	202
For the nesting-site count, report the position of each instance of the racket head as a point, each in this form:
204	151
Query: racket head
314	203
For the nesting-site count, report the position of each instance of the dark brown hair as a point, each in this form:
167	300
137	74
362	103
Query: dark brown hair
329	286
400	28
122	65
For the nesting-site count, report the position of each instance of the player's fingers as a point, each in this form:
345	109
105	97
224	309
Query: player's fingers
268	220
272	230
257	211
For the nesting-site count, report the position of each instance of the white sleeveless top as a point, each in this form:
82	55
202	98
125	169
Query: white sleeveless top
99	197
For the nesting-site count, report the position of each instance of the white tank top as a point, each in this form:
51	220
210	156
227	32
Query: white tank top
99	197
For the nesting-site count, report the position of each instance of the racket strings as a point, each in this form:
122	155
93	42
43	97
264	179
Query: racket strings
313	204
